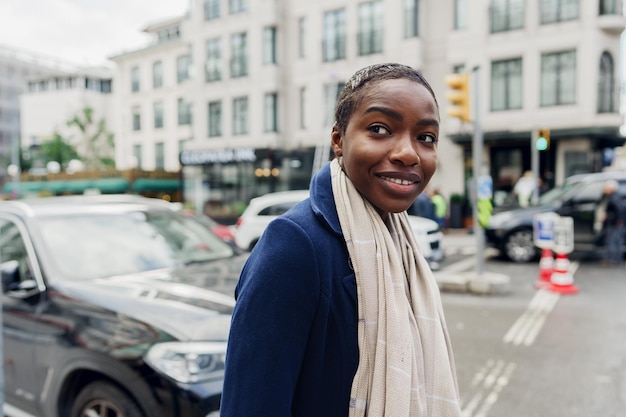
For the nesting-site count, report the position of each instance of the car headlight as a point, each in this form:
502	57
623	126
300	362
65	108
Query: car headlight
188	362
498	220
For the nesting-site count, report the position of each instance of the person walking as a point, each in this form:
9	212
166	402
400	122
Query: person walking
337	313
611	214
441	208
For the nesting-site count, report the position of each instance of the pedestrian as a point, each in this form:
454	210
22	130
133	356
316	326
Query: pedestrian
423	206
337	311
610	214
441	208
524	189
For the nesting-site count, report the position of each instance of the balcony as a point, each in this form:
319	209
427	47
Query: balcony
612	23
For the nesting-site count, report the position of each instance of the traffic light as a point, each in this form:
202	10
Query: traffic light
458	96
542	143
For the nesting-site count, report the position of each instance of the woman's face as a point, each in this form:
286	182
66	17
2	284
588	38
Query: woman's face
389	148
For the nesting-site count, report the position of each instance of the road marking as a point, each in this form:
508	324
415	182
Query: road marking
488	383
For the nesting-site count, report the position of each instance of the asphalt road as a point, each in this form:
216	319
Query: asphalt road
537	353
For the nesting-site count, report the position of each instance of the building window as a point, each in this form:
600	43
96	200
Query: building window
137	154
302	107
331	94
558	10
370	27
461	11
507	15
159	155
239	56
157	74
183	63
213	65
240	116
334	35
302	37
237	6
134	79
211	9
271	112
136	118
606	84
411	15
558	78
105	86
215	119
184	112
269	45
506	84
158	114
609	7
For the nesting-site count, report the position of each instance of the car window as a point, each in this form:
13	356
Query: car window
277	209
586	193
97	245
13	248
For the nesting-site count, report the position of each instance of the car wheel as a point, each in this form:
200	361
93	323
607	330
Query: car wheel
103	399
519	246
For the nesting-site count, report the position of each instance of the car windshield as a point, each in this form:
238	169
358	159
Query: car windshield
554	197
96	245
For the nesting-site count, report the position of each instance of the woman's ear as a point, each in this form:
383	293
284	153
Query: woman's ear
336	140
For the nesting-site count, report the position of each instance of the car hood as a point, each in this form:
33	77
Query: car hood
520	215
191	303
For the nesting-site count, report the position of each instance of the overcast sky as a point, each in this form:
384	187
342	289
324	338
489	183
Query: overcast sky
83	32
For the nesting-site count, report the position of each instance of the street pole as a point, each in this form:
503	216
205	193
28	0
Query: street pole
534	165
477	154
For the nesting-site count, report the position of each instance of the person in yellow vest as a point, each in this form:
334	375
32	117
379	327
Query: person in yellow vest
441	207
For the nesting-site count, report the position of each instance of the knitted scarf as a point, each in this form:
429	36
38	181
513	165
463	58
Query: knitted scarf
406	367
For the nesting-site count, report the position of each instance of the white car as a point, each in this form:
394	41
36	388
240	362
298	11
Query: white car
264	209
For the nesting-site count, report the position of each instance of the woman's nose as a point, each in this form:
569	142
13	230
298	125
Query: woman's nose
405	151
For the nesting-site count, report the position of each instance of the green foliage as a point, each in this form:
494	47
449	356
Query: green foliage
58	150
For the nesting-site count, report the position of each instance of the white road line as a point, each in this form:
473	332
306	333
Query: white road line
488	382
529	324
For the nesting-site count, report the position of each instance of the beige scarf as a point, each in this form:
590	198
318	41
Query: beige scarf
406	367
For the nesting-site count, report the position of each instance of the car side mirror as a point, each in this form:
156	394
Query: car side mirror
10	271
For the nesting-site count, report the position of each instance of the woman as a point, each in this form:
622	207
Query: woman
337	312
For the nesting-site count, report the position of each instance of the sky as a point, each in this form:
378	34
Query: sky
82	32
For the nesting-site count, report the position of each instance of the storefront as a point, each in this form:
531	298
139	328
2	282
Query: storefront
221	182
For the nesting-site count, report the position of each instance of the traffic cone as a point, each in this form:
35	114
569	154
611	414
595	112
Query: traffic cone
562	280
546	268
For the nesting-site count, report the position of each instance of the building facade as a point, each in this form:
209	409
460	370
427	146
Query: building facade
239	94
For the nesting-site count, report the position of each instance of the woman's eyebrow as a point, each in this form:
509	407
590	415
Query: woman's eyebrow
385	111
428	122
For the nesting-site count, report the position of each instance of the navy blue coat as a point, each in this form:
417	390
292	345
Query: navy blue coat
293	348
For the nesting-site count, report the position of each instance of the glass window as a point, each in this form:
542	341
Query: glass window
334	35
211	9
370	27
240	116
411	18
237	6
558	10
183	63
460	14
506	84
157	74
558	78
302	37
13	249
215	119
507	15
331	94
213	65
271	112
158	114
136	118
137	153
159	155
239	55
606	84
609	7
269	45
184	112
134	79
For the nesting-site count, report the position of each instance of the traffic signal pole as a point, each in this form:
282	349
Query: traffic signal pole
477	166
534	165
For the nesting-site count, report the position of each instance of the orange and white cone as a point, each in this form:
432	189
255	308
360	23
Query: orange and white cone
546	268
562	280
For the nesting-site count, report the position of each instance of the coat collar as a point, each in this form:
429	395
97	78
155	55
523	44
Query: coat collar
323	200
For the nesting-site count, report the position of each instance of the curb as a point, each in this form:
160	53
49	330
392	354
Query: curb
487	283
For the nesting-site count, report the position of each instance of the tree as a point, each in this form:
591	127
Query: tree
95	144
58	150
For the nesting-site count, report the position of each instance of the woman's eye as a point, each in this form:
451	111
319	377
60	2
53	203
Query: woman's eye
428	138
379	130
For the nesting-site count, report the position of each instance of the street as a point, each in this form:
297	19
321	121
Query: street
536	353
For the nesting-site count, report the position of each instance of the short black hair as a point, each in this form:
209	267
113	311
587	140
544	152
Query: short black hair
351	95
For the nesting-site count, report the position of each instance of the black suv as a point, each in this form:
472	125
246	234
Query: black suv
511	231
113	306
